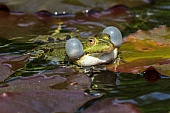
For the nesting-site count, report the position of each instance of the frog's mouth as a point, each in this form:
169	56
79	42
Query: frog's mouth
96	58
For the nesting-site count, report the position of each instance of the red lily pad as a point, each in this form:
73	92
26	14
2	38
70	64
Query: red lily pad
151	74
9	64
58	79
119	13
43	102
144	49
111	106
67	6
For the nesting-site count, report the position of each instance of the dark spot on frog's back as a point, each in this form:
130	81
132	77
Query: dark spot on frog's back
66	38
58	40
50	39
51	49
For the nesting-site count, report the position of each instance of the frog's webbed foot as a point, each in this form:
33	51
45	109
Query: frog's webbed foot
117	60
92	70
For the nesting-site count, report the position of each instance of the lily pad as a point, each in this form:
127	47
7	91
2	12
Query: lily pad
9	64
43	102
144	49
58	79
67	6
111	106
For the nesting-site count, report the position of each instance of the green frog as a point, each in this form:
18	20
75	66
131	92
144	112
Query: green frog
90	51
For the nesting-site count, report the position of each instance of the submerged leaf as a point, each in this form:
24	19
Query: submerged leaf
144	49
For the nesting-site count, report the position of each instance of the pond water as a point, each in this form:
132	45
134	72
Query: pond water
150	95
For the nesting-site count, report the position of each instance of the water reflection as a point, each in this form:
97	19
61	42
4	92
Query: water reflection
136	89
104	80
153	97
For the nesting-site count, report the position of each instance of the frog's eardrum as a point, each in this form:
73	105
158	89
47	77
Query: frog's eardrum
74	48
115	35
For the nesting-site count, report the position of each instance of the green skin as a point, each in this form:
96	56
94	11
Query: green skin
54	48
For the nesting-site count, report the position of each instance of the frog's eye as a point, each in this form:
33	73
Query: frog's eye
91	41
74	48
115	35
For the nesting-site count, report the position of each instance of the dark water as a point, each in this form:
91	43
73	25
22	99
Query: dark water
150	95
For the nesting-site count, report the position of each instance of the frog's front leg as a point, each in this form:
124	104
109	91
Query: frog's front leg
118	59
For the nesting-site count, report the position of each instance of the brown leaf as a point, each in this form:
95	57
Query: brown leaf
49	81
144	49
43	102
111	106
9	64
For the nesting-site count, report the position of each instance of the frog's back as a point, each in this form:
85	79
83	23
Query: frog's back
50	51
52	46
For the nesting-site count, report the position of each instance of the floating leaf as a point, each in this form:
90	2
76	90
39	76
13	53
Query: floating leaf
58	79
9	64
43	102
151	74
67	6
111	106
144	49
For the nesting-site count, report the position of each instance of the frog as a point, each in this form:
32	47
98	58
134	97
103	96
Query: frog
91	51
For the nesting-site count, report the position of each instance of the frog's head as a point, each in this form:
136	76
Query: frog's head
99	44
98	49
